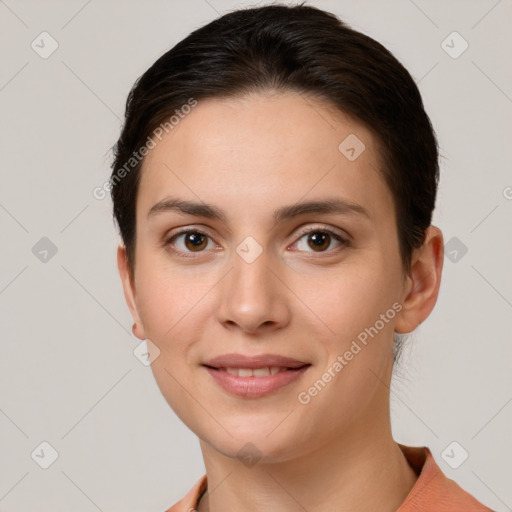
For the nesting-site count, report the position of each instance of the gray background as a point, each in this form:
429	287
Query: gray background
68	373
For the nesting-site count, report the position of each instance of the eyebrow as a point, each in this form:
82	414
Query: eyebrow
200	209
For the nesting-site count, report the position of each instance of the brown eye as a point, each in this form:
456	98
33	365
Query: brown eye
195	241
190	241
319	240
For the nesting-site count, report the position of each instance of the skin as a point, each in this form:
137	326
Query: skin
250	156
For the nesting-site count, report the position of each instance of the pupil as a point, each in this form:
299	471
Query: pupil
319	240
194	240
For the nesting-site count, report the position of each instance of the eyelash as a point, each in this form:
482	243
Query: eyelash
186	254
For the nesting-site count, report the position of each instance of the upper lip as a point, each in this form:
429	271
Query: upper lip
252	362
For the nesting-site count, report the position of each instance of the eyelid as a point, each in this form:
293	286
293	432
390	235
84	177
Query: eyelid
308	228
187	229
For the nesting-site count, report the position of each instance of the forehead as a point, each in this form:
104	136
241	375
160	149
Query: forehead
271	148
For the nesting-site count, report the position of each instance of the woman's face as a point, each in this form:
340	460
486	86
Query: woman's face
259	283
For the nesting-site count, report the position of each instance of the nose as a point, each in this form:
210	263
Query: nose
254	297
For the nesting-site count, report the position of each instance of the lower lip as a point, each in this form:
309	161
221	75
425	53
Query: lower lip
254	387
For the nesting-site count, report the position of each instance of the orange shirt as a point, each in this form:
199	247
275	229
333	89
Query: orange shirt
432	492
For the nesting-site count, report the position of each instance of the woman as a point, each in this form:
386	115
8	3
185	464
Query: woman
274	185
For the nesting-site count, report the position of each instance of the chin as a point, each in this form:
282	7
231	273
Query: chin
252	445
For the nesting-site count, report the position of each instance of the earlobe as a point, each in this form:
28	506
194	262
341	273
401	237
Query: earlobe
129	291
423	282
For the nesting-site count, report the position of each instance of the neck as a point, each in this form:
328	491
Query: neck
347	474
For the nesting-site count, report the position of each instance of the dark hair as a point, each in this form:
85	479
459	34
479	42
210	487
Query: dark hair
282	48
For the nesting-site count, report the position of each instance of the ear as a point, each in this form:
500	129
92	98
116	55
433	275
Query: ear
422	283
129	291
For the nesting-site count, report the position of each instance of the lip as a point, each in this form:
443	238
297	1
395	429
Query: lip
254	387
251	362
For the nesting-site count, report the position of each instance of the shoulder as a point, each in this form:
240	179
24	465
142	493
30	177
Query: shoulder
433	490
189	502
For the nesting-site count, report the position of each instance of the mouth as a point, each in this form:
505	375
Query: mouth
255	362
264	371
255	380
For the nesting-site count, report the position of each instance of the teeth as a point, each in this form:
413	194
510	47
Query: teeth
257	372
261	372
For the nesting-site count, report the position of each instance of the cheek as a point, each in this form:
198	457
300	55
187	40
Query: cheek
351	299
167	308
165	305
358	353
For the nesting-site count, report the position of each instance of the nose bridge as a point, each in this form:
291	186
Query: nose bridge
252	296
